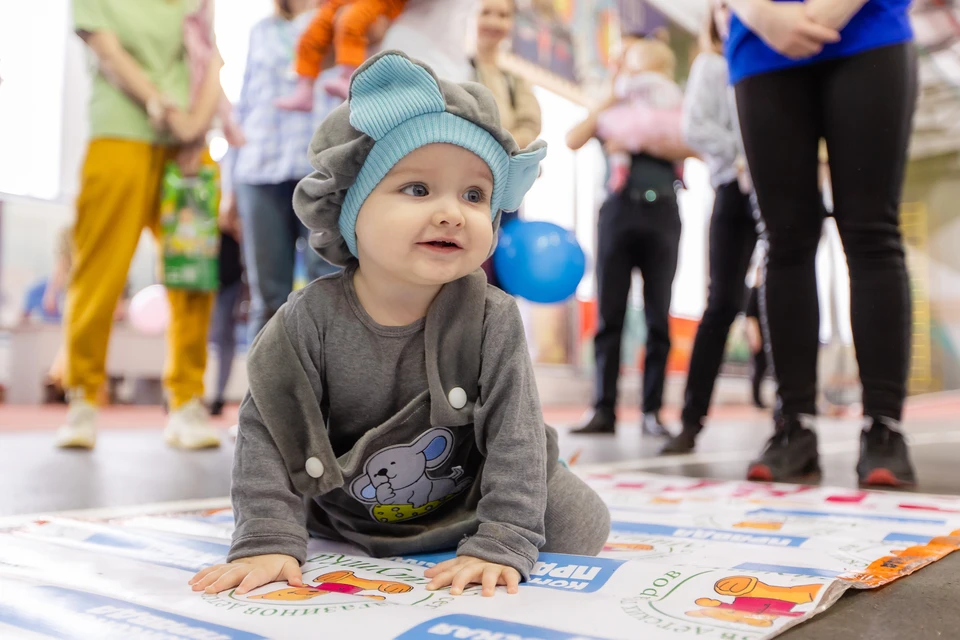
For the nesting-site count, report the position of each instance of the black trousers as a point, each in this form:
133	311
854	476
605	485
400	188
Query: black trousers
635	233
863	106
733	236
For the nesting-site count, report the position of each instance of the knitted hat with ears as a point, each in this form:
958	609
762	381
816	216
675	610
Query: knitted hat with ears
396	106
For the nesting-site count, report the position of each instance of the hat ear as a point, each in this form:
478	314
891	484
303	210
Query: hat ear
390	89
523	172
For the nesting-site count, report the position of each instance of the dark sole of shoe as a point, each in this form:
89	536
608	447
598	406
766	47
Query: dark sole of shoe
884	478
675	452
762	473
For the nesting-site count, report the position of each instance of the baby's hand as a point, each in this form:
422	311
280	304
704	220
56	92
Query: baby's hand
463	570
249	573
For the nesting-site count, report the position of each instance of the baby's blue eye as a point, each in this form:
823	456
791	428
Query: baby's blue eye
474	196
416	190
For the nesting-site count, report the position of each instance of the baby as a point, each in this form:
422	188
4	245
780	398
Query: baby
393	405
346	25
649	105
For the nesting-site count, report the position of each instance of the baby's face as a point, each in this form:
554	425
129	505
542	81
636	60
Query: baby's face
429	220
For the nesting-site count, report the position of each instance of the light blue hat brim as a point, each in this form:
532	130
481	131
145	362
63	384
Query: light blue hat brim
416	132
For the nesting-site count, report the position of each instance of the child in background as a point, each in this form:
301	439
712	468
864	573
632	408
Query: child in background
648	103
344	24
393	405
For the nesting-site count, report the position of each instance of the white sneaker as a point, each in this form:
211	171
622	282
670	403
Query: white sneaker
188	428
80	429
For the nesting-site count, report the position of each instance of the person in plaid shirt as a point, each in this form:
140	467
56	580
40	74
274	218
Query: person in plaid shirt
259	177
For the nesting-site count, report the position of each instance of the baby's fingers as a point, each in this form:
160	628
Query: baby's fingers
440	567
230	579
491	575
199	575
255	578
511	577
466	575
212	576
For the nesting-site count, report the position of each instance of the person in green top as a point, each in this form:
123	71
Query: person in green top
139	118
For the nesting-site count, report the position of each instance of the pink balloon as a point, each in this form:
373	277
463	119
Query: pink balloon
150	310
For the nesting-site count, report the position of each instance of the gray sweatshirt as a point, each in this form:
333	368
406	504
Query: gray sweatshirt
399	440
709	117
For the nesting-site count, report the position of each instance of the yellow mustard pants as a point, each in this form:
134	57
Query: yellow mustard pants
120	192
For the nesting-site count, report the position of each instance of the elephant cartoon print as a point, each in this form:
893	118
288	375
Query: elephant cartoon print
396	482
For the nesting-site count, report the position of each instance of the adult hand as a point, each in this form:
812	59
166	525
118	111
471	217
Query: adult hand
830	13
184	126
463	570
788	28
248	573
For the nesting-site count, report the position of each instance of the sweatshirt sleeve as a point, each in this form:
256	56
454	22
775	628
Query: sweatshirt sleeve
706	110
512	437
270	514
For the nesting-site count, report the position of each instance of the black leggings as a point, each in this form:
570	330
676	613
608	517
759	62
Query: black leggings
733	236
863	106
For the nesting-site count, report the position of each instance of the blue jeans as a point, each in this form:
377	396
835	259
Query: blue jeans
270	233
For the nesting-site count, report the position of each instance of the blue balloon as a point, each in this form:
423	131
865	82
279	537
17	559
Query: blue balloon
539	261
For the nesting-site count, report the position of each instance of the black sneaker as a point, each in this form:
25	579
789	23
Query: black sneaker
602	422
683	442
790	453
216	407
884	457
650	425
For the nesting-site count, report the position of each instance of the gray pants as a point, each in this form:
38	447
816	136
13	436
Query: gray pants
577	521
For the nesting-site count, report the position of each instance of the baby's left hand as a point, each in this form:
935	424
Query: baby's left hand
463	570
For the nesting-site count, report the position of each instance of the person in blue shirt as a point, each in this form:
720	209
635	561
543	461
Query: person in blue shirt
844	71
259	177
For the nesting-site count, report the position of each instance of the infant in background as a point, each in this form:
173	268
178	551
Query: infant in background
648	105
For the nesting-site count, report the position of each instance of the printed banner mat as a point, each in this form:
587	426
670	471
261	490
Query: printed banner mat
686	558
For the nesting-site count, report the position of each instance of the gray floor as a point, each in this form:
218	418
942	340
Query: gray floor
132	466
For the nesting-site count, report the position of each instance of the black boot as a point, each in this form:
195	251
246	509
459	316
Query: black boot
650	425
884	458
790	453
601	422
683	442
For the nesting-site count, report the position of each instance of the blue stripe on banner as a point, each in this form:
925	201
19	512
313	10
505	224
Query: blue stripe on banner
141	540
102	617
778	568
716	535
857	516
908	537
467	626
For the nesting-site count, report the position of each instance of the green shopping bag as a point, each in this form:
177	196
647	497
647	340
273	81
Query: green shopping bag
190	236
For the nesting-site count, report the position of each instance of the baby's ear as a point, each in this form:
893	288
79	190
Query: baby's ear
389	89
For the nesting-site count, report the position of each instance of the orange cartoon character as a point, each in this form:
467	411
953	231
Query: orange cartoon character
336	582
627	546
345	25
754	603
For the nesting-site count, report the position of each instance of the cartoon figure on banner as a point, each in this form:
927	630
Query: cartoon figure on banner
763	526
396	482
337	582
627	546
755	603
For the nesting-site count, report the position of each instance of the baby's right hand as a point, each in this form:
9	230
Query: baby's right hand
248	573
